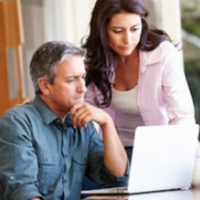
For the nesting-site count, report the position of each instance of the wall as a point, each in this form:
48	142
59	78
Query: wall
46	20
52	20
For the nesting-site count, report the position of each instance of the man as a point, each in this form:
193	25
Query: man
47	146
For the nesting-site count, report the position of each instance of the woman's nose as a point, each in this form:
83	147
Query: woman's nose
127	37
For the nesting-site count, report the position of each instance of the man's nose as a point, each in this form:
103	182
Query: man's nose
81	87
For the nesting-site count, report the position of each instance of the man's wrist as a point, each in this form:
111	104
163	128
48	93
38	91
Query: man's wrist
108	122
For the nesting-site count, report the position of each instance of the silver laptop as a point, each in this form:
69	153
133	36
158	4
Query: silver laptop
163	159
166	195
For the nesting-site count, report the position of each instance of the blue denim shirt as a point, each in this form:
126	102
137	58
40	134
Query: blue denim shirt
41	157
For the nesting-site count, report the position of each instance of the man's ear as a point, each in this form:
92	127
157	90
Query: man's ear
44	85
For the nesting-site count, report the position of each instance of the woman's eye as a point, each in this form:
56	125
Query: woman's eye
117	30
135	28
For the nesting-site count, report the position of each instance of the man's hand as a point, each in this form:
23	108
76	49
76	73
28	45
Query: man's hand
115	158
83	113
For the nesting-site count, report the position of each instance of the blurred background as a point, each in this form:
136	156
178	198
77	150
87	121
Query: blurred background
26	24
190	19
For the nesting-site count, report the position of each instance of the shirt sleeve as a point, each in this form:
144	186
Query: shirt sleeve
18	166
96	168
180	107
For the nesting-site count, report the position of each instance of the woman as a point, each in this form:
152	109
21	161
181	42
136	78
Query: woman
133	71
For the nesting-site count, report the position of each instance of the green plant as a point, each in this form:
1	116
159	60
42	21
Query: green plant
192	70
192	25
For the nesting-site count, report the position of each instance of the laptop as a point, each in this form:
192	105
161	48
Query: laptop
166	195
162	159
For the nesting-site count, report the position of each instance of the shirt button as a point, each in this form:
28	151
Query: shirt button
11	177
65	181
58	121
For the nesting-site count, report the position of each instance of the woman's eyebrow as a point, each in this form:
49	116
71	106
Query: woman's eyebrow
118	26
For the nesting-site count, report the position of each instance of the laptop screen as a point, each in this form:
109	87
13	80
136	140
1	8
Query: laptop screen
163	157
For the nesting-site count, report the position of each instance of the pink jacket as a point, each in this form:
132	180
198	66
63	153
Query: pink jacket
163	94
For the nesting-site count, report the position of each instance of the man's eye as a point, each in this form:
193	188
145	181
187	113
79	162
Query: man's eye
70	80
134	29
83	77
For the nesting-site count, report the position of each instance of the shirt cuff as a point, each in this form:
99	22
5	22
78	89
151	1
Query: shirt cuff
26	192
118	181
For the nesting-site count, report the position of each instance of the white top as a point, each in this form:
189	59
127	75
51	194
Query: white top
125	102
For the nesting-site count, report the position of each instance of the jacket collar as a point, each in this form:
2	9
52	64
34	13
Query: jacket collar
148	58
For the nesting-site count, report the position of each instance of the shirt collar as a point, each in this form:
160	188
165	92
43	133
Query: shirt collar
47	114
68	120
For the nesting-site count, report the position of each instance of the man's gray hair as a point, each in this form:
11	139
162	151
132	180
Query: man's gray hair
47	56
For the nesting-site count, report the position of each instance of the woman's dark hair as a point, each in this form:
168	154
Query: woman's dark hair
99	56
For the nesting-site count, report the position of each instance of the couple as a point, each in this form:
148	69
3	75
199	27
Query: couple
126	62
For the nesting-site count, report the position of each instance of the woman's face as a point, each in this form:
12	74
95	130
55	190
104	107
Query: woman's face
124	31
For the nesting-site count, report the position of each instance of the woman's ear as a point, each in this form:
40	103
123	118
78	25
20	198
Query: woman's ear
44	85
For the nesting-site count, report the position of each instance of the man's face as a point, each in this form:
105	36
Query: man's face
69	87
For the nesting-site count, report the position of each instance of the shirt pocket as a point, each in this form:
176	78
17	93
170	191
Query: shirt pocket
78	168
49	170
